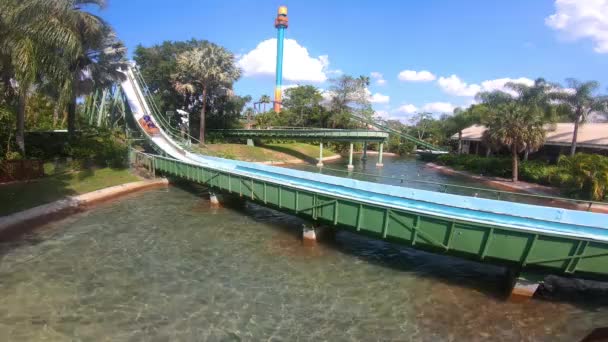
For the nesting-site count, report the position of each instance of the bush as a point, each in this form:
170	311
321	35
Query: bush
583	176
492	166
96	147
588	176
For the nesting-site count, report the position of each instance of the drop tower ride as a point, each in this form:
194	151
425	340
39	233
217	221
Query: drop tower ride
280	23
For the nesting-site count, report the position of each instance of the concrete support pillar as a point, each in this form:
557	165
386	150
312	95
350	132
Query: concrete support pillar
311	234
364	158
250	142
524	285
320	163
214	201
350	158
379	164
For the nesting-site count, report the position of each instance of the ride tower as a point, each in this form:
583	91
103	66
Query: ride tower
280	23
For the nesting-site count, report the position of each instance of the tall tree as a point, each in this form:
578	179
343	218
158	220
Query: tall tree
535	100
303	103
349	95
100	56
517	127
581	102
460	120
264	99
34	36
207	66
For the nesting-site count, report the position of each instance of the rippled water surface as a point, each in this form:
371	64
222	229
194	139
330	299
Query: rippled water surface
163	266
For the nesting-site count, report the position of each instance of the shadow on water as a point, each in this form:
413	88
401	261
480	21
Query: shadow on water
485	278
491	280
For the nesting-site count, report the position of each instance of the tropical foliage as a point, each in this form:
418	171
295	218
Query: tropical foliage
583	176
175	85
55	50
205	67
579	102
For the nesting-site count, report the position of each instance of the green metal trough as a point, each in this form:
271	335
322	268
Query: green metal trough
547	251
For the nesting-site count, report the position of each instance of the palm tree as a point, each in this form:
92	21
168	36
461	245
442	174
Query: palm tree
516	126
95	64
207	66
538	98
31	34
53	42
264	99
459	121
581	103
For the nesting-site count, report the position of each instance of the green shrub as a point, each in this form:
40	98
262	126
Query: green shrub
583	176
588	175
101	148
491	166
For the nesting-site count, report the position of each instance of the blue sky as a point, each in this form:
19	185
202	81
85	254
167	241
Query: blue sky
449	49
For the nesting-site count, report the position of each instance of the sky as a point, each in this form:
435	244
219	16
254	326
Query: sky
431	55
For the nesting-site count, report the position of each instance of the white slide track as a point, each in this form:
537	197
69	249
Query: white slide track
500	213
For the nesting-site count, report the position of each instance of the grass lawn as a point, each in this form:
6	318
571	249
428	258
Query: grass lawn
268	152
20	196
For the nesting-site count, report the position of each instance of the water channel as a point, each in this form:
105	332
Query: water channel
164	266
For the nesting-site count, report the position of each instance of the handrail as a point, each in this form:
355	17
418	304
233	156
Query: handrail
446	185
401	134
161	119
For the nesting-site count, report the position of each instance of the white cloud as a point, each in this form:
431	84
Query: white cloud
407	109
438	107
499	84
298	65
416	76
378	77
383	114
453	85
578	19
379	98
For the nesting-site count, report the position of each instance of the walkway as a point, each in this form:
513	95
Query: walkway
314	134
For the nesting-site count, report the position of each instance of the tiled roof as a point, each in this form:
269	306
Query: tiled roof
593	135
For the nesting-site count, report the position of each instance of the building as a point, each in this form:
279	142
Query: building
592	138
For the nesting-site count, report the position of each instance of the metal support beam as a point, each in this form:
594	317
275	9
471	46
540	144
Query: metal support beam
350	158
379	163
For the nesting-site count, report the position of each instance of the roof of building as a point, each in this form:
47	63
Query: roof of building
592	135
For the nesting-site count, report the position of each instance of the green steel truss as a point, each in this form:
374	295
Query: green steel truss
493	244
305	134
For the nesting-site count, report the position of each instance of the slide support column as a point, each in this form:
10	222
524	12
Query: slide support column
379	164
350	157
320	163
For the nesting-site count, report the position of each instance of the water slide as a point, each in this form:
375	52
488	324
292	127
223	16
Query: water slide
468	209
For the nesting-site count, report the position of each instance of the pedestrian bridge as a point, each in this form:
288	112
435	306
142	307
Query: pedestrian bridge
306	134
521	236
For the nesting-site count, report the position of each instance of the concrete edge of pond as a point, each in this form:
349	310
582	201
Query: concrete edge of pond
30	218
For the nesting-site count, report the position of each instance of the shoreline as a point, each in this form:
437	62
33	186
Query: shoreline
29	219
521	187
297	161
384	154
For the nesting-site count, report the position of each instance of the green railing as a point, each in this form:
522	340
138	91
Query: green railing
408	137
306	134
